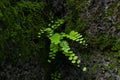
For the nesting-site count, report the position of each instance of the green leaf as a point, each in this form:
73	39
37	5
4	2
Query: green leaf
73	35
78	61
49	25
54	47
55	38
48	29
49	61
65	46
75	57
73	61
52	57
72	54
70	58
78	65
84	69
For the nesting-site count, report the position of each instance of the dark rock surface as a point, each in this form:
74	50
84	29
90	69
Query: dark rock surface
30	70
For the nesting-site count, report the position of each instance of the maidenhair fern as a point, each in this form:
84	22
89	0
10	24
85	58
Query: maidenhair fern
58	43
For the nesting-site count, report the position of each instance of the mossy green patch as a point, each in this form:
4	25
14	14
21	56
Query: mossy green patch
20	22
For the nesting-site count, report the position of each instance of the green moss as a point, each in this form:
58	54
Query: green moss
119	71
103	42
20	22
118	27
112	10
74	20
116	45
56	75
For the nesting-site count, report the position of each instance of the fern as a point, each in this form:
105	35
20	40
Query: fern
58	43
